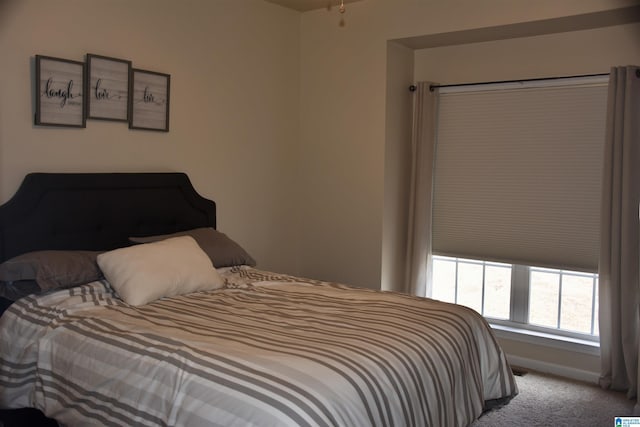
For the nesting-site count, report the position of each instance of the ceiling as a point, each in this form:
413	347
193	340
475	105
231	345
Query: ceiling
305	5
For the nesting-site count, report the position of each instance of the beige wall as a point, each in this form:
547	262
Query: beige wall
578	52
571	53
356	147
289	121
397	160
234	69
348	227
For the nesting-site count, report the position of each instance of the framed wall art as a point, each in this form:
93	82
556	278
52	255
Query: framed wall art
59	92
149	100
107	88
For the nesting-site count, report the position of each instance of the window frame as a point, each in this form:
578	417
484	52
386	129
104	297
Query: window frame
519	302
455	244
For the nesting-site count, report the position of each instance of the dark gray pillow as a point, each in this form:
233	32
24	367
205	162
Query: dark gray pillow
222	251
49	269
13	291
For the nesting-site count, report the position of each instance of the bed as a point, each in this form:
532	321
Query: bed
257	349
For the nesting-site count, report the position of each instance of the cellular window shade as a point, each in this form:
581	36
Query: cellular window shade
518	175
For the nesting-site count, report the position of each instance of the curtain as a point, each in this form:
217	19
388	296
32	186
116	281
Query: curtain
619	239
418	271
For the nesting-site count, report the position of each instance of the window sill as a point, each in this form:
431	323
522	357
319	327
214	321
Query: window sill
546	339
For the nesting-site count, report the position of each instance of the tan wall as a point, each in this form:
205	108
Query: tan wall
344	117
284	119
578	52
234	103
571	53
351	131
582	365
397	159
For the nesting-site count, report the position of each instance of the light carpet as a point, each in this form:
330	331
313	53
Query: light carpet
546	400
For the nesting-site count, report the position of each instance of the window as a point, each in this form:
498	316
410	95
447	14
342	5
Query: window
517	173
481	285
561	302
516	202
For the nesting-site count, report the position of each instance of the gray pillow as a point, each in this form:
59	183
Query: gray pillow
50	270
222	251
15	290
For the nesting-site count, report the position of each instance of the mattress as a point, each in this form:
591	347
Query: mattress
267	349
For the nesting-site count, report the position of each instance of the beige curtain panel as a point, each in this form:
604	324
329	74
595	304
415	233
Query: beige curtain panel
619	247
422	158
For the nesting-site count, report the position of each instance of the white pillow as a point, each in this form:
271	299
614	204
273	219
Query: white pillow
143	273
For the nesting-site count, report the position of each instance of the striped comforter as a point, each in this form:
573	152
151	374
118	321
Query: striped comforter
267	350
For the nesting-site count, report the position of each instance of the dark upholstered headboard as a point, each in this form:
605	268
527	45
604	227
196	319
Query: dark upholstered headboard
98	211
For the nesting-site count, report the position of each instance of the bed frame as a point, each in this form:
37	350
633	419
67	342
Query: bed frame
98	211
94	211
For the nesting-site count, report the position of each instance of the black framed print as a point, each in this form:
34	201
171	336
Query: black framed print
149	100
59	92
107	88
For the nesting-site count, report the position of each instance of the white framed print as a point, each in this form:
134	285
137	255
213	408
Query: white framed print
149	100
107	88
59	92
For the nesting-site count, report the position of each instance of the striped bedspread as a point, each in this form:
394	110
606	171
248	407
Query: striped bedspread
267	350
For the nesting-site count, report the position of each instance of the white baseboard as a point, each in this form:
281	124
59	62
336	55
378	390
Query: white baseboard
554	369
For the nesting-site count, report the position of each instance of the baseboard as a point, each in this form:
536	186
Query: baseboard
554	369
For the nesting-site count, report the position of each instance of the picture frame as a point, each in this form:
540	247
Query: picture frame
107	88
59	88
149	100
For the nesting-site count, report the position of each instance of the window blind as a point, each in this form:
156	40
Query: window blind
518	173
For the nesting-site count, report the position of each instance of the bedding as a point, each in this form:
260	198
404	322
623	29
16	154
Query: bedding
223	251
175	266
258	348
266	349
46	270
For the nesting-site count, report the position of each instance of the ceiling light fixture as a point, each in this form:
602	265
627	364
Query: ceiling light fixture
342	8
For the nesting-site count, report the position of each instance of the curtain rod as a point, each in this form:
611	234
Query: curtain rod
412	88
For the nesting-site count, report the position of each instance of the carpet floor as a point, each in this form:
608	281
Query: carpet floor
546	400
